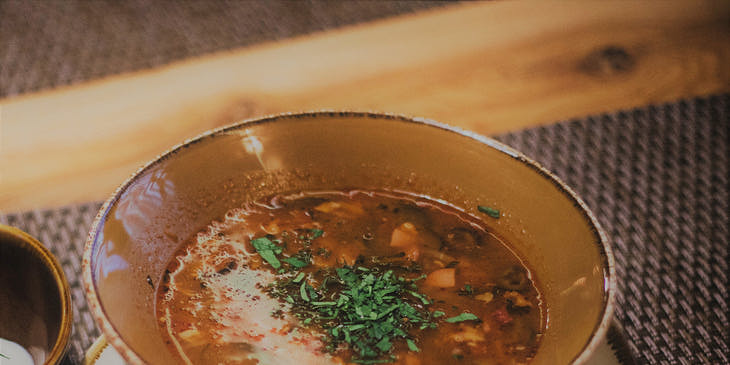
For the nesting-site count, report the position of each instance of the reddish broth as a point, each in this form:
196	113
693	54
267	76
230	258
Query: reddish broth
222	301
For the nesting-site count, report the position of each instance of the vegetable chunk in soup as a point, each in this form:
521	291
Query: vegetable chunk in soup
349	277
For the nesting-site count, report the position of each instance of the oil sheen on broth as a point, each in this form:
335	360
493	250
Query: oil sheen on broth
349	277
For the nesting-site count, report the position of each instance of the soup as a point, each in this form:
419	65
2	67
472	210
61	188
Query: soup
349	277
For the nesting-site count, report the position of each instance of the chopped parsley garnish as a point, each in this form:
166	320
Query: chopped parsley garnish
298	278
315	233
467	290
368	309
268	251
308	235
494	213
412	345
303	291
293	261
462	317
376	361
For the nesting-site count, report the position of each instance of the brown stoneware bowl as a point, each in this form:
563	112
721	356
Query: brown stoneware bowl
173	197
35	300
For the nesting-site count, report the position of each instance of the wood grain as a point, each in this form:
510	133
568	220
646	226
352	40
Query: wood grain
488	67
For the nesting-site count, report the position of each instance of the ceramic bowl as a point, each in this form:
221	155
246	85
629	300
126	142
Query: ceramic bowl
35	300
172	198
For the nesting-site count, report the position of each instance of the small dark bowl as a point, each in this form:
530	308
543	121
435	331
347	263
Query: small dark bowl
35	300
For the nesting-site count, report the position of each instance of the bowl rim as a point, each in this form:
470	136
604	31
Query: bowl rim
51	262
610	286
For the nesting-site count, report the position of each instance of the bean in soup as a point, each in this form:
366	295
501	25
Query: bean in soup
349	277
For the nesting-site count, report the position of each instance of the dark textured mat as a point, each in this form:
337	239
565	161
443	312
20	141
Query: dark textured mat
45	44
656	177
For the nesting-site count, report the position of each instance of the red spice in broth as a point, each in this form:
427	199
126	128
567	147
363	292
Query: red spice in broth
279	282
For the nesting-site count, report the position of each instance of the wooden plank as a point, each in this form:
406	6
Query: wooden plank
488	67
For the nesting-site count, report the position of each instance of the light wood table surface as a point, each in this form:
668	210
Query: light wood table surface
488	67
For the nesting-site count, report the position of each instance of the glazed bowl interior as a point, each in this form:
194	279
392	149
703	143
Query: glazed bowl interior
35	300
176	196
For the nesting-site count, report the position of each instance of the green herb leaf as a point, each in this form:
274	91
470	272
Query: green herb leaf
466	290
316	233
263	243
270	257
419	278
303	291
293	261
494	213
384	345
298	278
3	356
412	345
423	299
319	304
462	317
375	361
268	251
437	314
368	309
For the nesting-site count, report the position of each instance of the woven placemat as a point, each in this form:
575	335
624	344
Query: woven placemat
50	43
656	177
